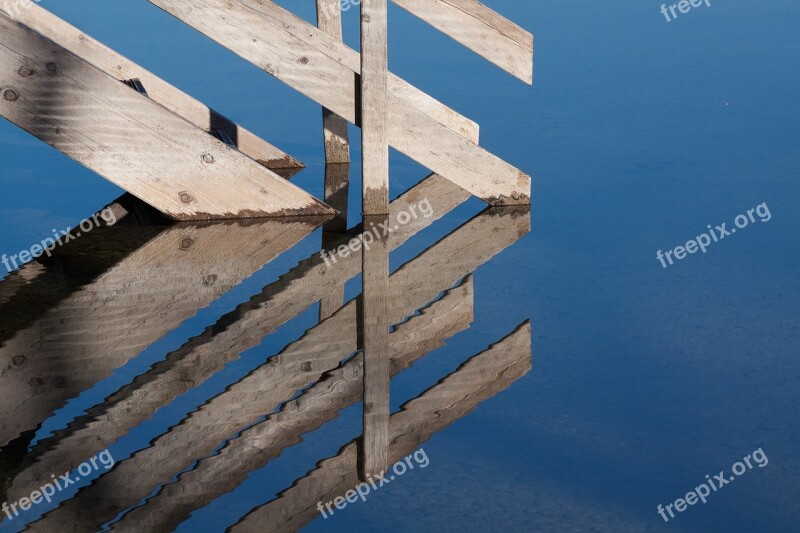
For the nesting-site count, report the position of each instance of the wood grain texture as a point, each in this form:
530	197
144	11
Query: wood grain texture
480	29
180	103
221	473
336	138
374	107
131	140
242	329
321	349
374	325
327	71
452	398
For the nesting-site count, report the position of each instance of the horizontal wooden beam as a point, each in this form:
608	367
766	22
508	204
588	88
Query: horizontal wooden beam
180	103
131	140
327	71
480	29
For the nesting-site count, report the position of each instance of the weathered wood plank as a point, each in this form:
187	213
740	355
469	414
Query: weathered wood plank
374	324
180	103
313	63
304	361
480	29
257	446
481	377
374	107
337	188
242	329
337	143
131	140
309	36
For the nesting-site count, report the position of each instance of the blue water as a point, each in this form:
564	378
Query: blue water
638	133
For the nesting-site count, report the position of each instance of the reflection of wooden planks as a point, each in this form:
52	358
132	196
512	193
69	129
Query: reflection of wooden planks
337	144
180	103
480	378
240	330
326	71
131	140
254	448
374	325
374	107
481	30
105	323
304	361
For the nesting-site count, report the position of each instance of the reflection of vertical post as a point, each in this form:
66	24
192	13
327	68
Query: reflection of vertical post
337	186
374	130
374	323
337	145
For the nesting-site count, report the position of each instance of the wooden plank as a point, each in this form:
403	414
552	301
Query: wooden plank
326	71
243	328
337	143
480	378
374	325
131	140
180	103
105	323
304	35
221	473
374	107
304	361
480	29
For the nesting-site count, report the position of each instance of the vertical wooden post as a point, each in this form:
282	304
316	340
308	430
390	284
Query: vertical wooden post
374	326
374	104
337	143
337	188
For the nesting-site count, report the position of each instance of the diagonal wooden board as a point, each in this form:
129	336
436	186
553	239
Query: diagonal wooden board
480	29
180	103
131	140
327	71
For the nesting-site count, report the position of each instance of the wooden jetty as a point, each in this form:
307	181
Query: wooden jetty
190	162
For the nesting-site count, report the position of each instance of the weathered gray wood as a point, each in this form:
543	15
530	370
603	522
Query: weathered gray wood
374	325
98	328
454	397
304	361
337	143
180	103
326	71
221	473
374	107
337	188
236	332
481	30
131	140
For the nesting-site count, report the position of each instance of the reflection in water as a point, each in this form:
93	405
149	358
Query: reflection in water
105	297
